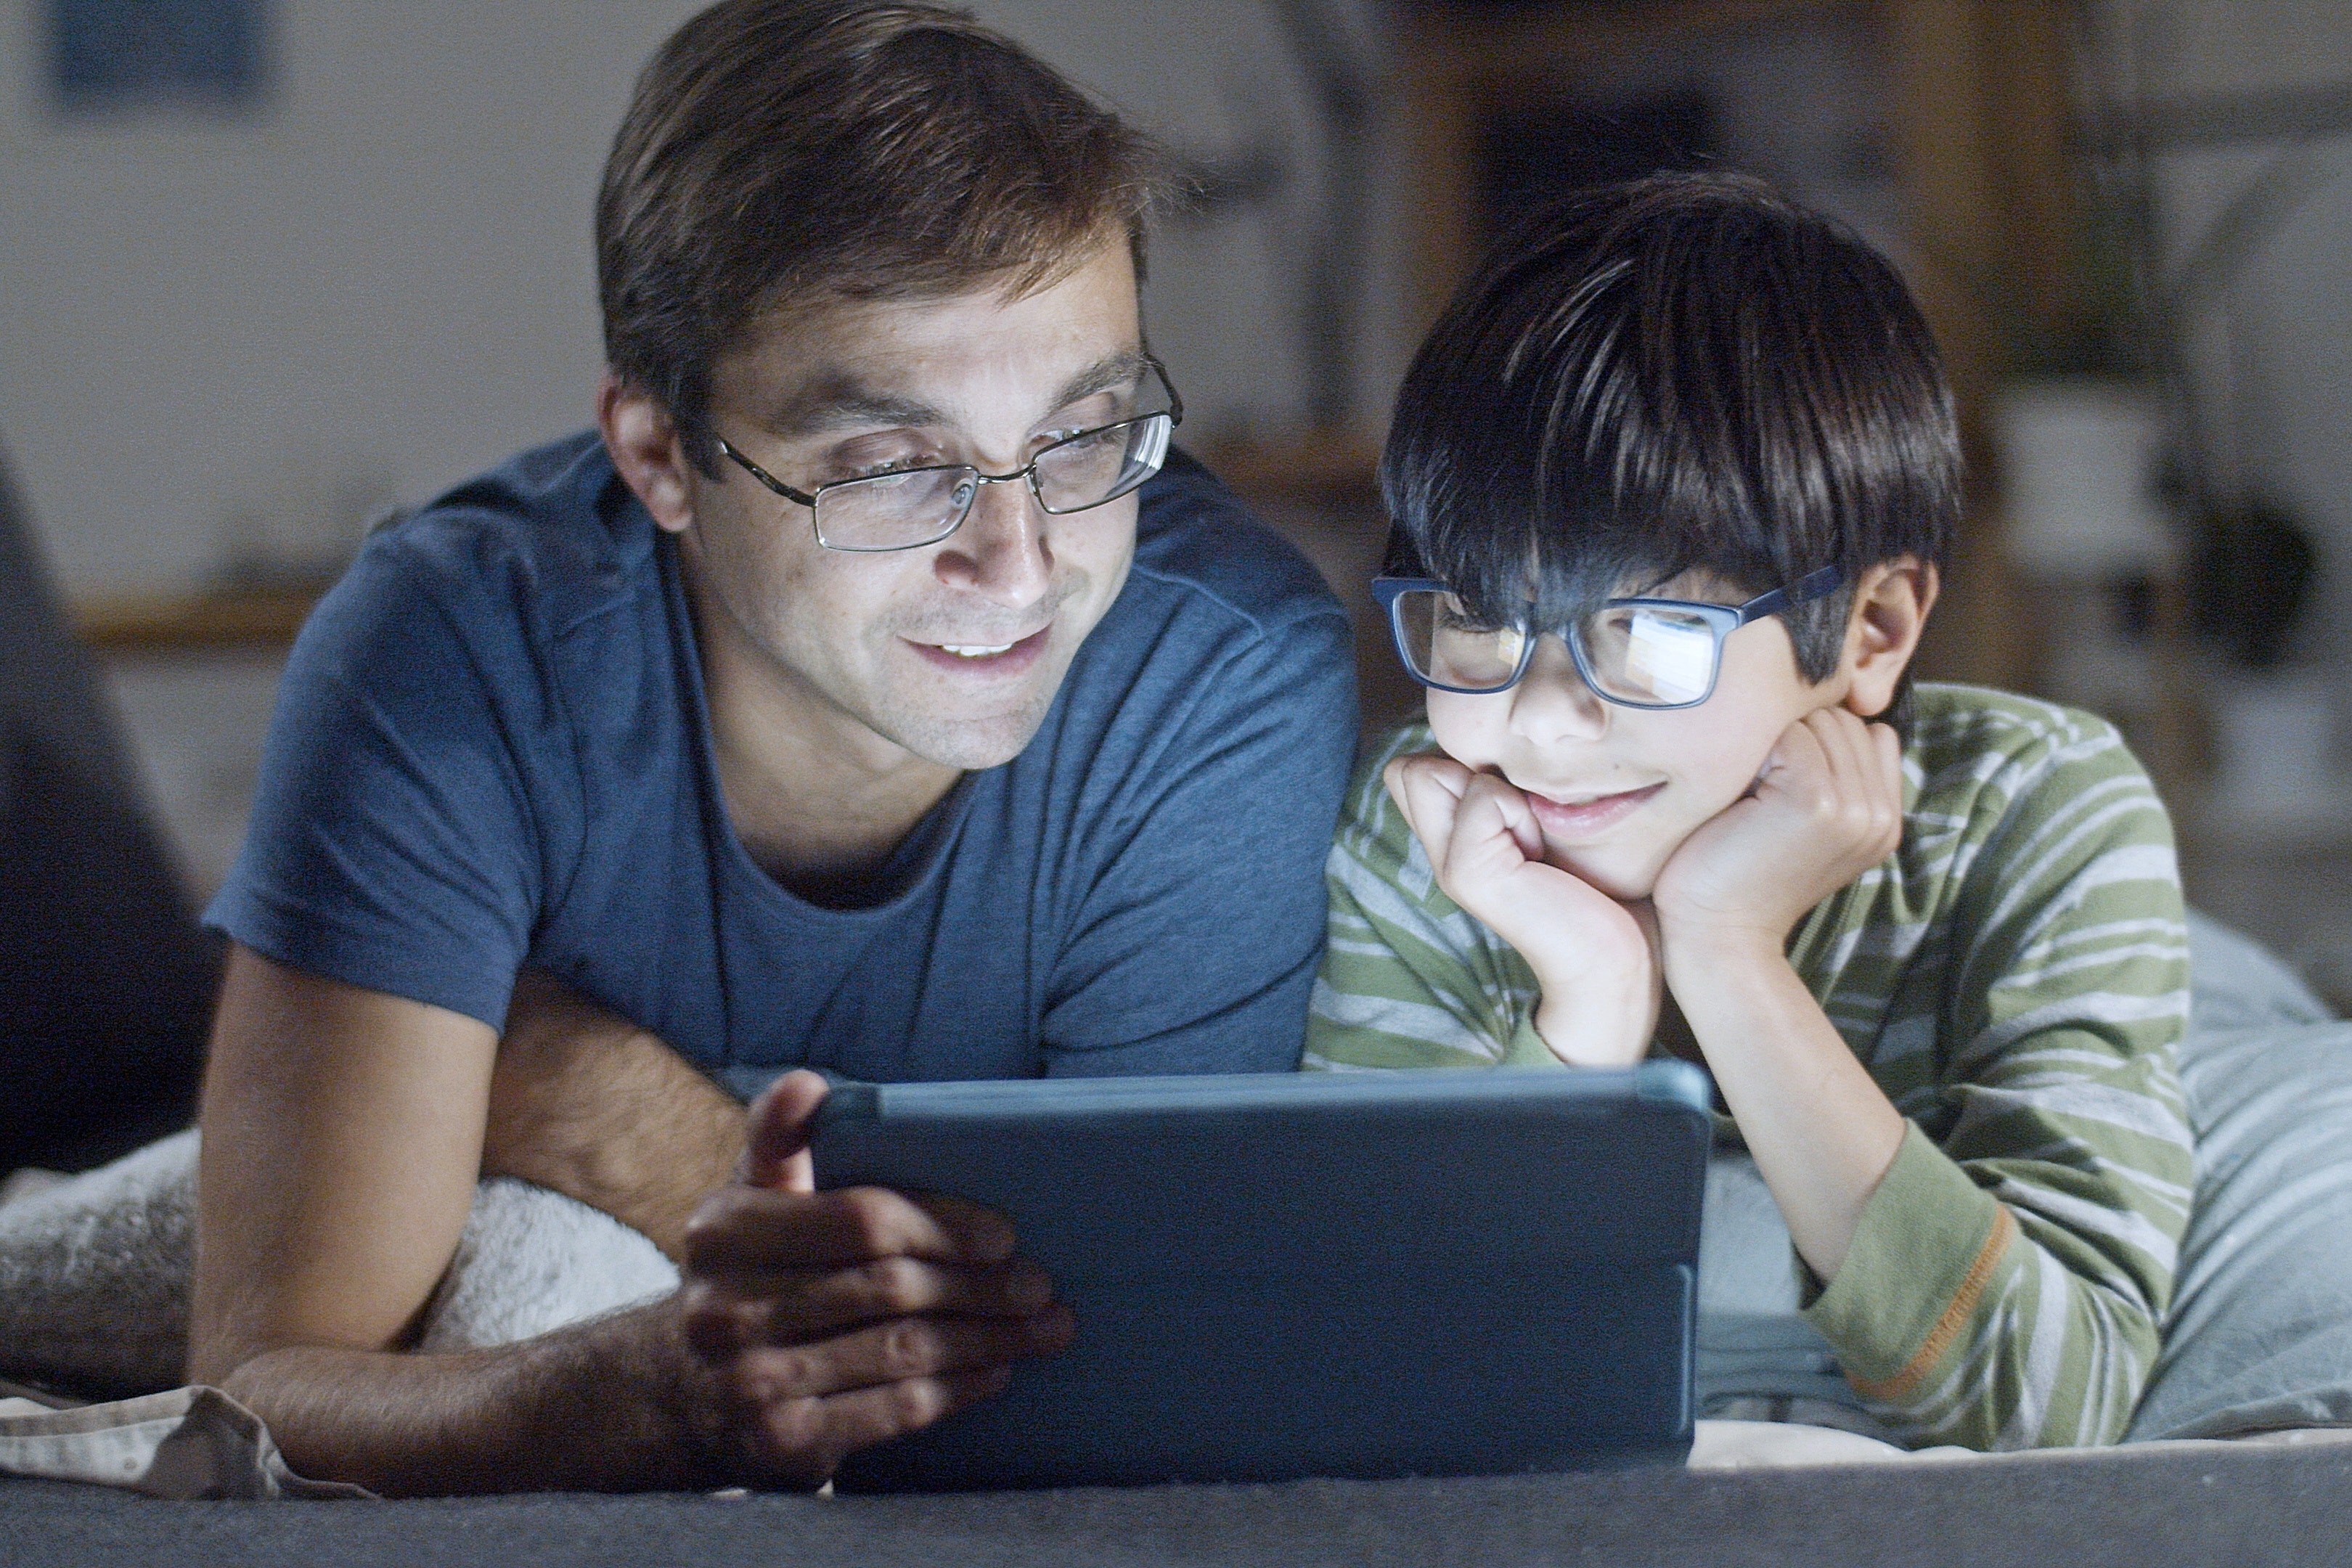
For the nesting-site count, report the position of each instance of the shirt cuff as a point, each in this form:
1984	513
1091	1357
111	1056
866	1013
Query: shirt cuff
1929	1244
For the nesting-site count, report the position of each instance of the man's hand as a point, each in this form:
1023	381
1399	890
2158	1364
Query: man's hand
1827	807
828	1321
585	1102
1593	956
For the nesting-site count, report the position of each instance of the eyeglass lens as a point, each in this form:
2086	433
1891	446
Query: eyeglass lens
897	511
1651	655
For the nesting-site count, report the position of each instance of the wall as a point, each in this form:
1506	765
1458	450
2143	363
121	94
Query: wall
383	282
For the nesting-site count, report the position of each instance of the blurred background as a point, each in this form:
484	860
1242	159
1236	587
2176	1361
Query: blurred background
270	271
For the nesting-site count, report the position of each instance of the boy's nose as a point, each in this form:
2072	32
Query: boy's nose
1552	704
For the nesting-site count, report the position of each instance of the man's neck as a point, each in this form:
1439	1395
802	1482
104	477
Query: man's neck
819	801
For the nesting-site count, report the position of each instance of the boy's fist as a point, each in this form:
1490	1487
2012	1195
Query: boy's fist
1593	957
1827	806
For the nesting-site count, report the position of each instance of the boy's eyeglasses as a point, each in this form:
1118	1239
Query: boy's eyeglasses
1639	653
914	507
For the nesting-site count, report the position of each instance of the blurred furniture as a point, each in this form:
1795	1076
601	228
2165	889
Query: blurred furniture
1976	118
1977	121
106	981
157	623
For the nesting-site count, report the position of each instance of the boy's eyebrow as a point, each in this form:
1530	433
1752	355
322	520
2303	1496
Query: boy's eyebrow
837	400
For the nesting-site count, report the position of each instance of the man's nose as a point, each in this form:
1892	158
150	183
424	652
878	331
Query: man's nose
1001	551
1552	702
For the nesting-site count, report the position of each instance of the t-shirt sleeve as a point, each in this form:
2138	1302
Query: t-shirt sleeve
1192	945
2006	1284
1409	978
394	844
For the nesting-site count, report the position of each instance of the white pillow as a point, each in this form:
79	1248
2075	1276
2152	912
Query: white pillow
94	1272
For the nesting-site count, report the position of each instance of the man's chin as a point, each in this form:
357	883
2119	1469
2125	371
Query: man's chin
969	744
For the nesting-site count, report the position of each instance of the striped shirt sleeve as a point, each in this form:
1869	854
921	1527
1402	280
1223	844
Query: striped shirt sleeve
2008	1280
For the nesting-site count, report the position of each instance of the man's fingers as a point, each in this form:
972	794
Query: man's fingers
805	1408
740	1228
893	1352
1859	787
801	1441
775	1143
786	1306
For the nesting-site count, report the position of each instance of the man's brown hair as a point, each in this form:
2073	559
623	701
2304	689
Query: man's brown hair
781	151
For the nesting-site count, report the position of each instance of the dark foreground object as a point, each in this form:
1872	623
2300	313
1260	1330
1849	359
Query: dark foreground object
2132	1510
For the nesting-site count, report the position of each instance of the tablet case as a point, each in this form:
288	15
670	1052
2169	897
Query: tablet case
1361	1275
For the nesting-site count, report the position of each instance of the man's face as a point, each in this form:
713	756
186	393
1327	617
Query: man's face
950	651
1616	789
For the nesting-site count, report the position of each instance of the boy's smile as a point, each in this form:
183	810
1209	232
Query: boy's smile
1615	790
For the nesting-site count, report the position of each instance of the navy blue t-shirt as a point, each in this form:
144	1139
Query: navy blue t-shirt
491	749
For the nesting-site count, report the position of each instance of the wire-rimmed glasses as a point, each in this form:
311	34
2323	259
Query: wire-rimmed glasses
909	507
1636	652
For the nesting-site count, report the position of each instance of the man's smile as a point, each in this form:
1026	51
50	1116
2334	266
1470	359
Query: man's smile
1000	659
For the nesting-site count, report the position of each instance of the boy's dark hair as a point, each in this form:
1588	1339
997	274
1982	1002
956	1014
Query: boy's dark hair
1683	371
778	151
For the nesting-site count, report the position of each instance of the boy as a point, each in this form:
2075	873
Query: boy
1671	480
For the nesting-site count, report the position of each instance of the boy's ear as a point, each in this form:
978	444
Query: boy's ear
1881	632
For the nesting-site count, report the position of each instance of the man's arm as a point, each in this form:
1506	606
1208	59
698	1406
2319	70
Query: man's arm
585	1102
342	1133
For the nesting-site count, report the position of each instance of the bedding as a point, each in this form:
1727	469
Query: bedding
2259	1336
93	1271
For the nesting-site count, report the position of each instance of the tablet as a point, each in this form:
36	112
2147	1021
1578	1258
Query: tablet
1277	1275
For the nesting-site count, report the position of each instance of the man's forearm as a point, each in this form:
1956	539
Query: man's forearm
588	1104
593	1407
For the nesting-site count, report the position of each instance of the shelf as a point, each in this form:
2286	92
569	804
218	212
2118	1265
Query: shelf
161	623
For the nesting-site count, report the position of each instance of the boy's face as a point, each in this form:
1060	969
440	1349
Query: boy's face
1616	789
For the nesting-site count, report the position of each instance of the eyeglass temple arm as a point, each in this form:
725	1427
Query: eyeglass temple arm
1803	591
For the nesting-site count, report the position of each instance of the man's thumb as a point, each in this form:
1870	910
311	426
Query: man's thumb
775	1141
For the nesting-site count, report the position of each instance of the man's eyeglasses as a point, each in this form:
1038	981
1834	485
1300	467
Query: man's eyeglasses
910	507
1638	652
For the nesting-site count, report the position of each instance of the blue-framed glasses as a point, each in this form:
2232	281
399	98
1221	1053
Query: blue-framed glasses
1637	652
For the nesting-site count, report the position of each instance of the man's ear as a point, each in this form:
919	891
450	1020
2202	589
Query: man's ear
1881	631
646	450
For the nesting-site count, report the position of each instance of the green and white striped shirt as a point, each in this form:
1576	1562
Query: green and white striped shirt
2015	977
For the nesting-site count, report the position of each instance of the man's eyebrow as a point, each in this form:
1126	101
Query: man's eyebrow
1110	371
838	401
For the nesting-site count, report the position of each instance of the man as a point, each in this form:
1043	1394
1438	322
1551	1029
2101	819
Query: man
847	704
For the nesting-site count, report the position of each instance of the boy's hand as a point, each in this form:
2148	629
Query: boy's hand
1827	807
1594	957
